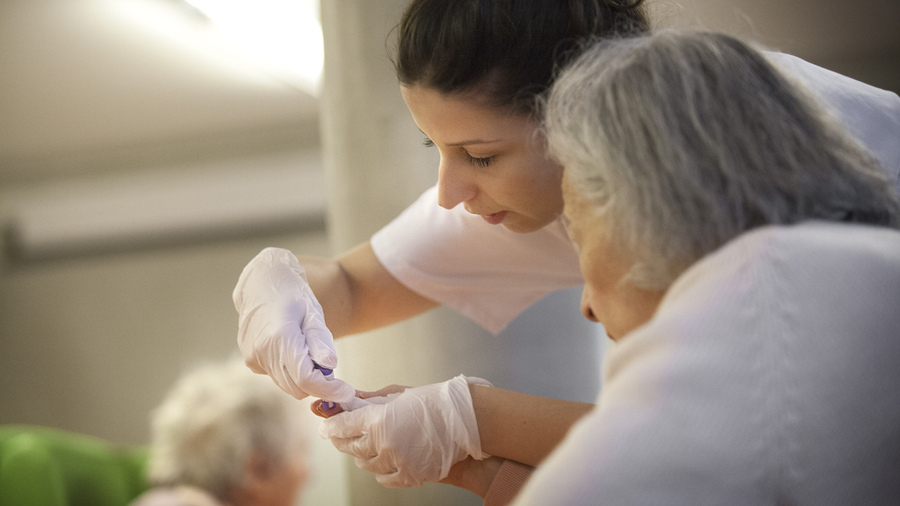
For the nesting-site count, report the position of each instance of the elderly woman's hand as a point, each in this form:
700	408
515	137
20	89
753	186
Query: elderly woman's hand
416	435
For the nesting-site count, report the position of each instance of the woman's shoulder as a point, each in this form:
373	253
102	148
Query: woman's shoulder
768	267
868	113
803	241
809	245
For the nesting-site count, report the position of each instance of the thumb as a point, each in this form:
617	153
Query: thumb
336	390
321	346
350	424
319	339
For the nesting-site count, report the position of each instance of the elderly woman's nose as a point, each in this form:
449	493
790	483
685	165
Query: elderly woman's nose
453	187
586	309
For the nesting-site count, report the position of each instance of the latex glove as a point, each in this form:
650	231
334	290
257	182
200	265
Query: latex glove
281	327
413	436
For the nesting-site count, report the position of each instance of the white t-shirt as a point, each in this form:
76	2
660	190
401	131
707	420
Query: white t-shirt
769	375
491	275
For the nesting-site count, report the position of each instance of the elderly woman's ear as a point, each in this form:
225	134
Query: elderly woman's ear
609	296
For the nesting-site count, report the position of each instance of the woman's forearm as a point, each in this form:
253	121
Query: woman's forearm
521	427
358	294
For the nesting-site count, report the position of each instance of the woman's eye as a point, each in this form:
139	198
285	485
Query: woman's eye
481	162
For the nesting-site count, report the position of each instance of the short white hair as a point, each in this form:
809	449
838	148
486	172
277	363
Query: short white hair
213	420
684	140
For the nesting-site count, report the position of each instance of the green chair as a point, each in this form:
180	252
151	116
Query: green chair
41	466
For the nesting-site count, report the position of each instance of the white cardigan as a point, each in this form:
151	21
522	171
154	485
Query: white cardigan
769	375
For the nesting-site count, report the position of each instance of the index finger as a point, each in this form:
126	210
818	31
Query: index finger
318	409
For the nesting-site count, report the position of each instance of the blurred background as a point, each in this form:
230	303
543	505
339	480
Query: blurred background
150	148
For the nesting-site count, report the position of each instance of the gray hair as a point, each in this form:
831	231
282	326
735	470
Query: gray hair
684	140
213	420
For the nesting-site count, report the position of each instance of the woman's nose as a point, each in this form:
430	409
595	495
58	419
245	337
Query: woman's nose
453	187
586	306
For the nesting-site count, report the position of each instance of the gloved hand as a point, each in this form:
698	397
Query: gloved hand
412	436
281	327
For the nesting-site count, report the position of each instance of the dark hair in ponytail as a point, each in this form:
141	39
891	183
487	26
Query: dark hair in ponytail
508	51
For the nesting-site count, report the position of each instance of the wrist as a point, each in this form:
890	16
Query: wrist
473	475
507	482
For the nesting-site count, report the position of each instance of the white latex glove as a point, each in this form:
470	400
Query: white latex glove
281	327
413	436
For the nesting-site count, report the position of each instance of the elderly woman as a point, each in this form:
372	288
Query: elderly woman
743	252
226	436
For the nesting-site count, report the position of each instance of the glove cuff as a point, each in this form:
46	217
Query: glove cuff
462	398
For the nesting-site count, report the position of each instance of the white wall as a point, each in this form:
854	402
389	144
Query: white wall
91	343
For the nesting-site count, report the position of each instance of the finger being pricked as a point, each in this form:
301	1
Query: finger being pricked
328	409
322	409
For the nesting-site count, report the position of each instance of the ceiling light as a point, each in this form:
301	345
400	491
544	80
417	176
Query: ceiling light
283	36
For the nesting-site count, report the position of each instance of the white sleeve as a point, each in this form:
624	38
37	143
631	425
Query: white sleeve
767	376
870	114
484	271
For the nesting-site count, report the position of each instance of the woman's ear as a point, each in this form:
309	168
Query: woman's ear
258	472
258	467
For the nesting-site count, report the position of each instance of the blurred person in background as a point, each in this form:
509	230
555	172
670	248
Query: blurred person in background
226	436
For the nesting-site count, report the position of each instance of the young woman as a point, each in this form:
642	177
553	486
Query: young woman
470	73
225	436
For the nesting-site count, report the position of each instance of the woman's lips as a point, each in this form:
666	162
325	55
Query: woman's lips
494	219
